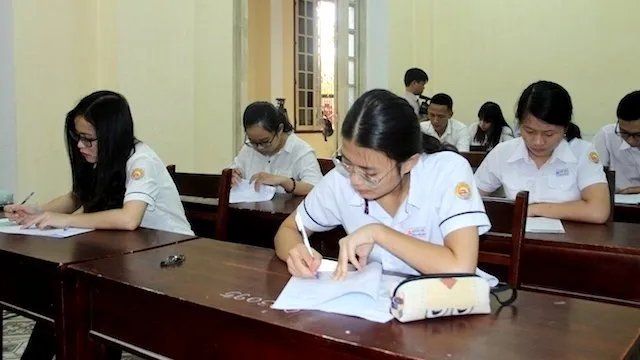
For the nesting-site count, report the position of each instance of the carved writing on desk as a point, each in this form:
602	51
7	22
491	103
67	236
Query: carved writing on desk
242	296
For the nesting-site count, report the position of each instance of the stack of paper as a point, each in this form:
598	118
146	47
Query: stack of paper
246	192
8	227
544	225
633	199
365	293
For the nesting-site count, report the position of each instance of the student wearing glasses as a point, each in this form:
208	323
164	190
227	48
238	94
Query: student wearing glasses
563	173
273	154
119	182
404	202
619	145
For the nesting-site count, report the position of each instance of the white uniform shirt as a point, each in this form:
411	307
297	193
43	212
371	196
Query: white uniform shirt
507	134
619	156
149	181
442	198
572	167
455	134
413	101
295	160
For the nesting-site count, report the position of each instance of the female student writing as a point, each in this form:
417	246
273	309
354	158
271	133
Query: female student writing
562	173
491	128
403	201
273	155
118	181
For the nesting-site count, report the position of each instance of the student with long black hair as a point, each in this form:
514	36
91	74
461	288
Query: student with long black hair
273	154
563	173
404	202
119	182
491	128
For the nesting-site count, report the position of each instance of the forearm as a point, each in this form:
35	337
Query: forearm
579	210
631	190
286	238
116	219
65	204
423	256
302	188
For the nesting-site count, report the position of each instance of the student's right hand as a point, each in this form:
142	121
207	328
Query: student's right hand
301	263
236	176
20	213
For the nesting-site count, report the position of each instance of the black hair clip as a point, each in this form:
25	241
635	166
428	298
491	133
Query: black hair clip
173	260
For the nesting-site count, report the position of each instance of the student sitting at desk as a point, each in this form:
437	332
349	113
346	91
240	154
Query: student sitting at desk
273	154
118	181
404	202
562	173
491	128
441	126
619	145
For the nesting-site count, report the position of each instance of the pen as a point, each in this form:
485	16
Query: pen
305	238
27	198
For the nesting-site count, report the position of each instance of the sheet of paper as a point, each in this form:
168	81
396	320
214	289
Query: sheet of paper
246	192
633	199
544	225
8	227
364	294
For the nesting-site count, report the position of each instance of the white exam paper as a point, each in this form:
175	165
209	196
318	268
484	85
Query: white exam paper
544	225
246	192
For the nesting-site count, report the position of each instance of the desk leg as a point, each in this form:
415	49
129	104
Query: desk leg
1	329
72	322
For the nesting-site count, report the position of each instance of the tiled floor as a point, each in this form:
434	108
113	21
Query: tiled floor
16	331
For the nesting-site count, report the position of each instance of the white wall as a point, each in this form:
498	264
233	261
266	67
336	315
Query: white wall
7	100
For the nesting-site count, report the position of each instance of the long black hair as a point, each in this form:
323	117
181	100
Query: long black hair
101	186
550	103
383	121
265	114
490	112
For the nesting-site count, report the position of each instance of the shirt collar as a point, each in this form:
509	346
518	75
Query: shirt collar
624	145
562	152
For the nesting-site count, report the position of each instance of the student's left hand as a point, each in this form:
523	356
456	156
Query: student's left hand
358	243
267	179
48	220
630	190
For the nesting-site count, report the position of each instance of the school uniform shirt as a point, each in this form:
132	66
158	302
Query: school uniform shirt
295	160
507	134
442	199
619	156
573	166
149	181
455	134
413	101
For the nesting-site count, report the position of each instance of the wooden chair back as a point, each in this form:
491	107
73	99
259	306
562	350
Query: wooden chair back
326	165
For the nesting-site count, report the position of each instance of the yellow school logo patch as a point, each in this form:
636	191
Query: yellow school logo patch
137	174
593	156
463	191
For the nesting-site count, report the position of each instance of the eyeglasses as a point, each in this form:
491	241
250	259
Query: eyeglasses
87	142
625	135
260	145
347	170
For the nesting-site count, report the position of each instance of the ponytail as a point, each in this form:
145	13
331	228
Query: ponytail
431	145
283	118
573	132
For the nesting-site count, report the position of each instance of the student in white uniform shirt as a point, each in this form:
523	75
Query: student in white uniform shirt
273	154
562	173
118	181
415	80
619	145
403	201
491	128
441	126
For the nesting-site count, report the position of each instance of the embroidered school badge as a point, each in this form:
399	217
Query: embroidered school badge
137	174
593	156
463	191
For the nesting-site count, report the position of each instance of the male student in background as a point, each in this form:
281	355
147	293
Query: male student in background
619	145
414	82
440	124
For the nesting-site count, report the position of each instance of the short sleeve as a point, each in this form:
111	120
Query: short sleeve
507	134
319	210
241	160
308	169
142	181
461	204
486	177
590	169
600	144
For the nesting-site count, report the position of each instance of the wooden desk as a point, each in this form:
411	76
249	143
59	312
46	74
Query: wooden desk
596	261
626	213
31	267
216	306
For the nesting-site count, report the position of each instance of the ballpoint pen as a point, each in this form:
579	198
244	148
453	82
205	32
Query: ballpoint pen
27	198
